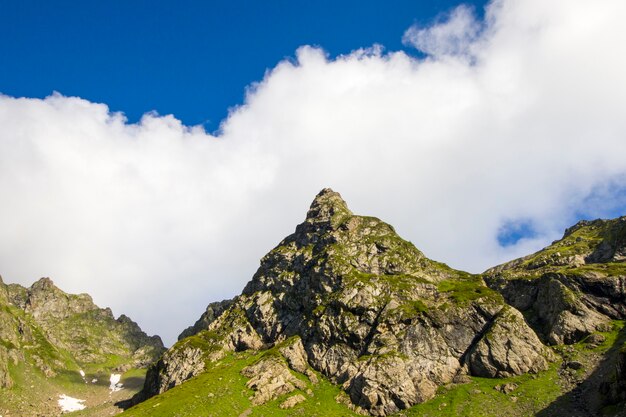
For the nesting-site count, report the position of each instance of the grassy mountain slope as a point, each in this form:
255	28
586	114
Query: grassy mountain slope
48	337
222	391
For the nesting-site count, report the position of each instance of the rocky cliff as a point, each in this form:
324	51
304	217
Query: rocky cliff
572	288
346	297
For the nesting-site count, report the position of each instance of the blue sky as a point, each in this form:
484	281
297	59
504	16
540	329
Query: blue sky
481	132
192	59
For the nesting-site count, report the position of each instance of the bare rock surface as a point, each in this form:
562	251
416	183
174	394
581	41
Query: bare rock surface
213	311
270	378
498	355
292	401
176	367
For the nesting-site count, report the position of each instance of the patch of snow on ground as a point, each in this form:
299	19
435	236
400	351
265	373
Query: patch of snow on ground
69	404
82	373
93	381
115	382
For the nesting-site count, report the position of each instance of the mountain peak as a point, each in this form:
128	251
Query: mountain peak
44	283
326	205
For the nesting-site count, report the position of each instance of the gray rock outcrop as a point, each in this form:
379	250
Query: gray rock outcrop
270	378
498	355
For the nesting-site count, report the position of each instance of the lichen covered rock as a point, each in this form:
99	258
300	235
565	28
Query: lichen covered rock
270	378
497	354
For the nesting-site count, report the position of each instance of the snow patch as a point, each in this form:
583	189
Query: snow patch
69	404
93	381
82	374
115	382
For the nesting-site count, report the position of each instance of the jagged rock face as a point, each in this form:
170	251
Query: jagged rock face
612	248
5	377
373	313
572	288
45	302
213	311
185	364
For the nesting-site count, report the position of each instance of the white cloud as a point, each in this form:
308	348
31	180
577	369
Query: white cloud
156	219
454	35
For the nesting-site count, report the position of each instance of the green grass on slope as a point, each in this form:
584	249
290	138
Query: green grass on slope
480	398
34	394
222	392
467	289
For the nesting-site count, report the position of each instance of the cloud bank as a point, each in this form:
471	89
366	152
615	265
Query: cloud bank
511	122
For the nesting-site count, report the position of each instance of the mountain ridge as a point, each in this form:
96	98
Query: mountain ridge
53	343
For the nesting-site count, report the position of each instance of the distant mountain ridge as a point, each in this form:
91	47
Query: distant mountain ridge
49	337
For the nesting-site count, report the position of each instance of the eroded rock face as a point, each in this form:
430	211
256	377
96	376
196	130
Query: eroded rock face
612	248
5	377
559	314
292	401
75	323
373	314
296	356
174	368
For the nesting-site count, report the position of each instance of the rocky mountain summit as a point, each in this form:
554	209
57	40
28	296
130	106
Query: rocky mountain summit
346	298
47	334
